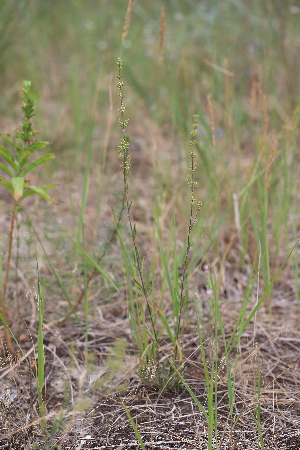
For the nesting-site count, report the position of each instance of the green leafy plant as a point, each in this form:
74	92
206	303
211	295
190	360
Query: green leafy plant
17	166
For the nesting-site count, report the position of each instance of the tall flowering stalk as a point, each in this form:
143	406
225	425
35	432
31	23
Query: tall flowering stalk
124	156
183	295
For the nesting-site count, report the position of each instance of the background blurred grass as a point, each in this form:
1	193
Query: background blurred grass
64	46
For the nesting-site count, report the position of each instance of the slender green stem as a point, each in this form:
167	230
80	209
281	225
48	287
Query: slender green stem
40	379
192	220
5	282
124	156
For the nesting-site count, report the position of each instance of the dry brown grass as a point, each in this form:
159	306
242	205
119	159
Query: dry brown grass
167	419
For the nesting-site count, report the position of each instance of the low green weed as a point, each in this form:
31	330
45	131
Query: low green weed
17	166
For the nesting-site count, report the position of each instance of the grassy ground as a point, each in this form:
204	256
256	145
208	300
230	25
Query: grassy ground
205	353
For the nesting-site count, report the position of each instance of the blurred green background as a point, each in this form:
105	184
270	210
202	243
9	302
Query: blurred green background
63	47
244	54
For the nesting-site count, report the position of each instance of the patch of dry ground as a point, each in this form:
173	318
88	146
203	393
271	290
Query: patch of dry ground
94	416
167	419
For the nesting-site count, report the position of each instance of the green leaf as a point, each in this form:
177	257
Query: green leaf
39	145
139	285
8	158
6	184
8	141
41	192
134	426
24	158
39	161
44	188
18	186
49	186
167	327
5	169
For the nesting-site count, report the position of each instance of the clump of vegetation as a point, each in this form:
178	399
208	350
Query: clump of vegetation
17	167
147	334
